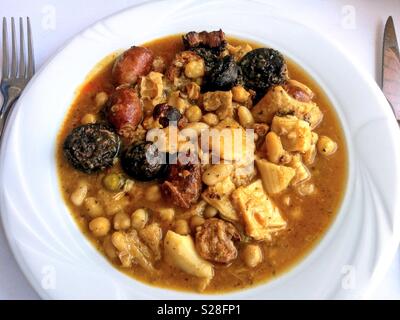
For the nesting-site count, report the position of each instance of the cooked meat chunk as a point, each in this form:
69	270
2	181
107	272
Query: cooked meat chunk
215	240
91	147
213	40
299	91
177	65
183	184
131	64
124	111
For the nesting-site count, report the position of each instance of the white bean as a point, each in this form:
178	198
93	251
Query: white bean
252	255
216	173
326	146
245	117
80	193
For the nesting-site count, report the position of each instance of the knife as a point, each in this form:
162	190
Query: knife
391	68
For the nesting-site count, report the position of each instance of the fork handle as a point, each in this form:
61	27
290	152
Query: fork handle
10	96
3	117
5	110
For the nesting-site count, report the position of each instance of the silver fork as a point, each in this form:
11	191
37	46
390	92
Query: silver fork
15	75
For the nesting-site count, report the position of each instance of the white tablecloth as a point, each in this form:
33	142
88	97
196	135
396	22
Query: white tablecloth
357	25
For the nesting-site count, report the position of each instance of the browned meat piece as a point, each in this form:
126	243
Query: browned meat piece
181	59
131	64
298	91
215	240
124	111
167	115
183	185
212	40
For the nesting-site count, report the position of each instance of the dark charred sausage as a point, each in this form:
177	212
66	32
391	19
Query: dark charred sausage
215	240
124	111
142	161
131	64
183	184
91	147
263	68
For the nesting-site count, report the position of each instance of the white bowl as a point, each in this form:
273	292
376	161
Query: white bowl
61	263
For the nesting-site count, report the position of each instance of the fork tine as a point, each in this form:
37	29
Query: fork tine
4	73
31	60
13	72
21	68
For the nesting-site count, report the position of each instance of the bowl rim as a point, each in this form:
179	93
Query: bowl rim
349	145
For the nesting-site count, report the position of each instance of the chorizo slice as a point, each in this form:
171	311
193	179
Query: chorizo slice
215	241
132	64
183	184
124	111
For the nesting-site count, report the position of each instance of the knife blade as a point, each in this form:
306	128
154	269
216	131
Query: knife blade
391	68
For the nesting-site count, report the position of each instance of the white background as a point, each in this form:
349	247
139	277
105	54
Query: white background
356	25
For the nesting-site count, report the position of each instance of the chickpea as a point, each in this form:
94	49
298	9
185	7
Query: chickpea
79	195
196	221
89	118
252	255
193	114
245	117
113	181
182	227
99	226
239	94
109	248
101	99
326	146
153	193
166	214
194	69
210	211
93	207
139	218
121	221
211	119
